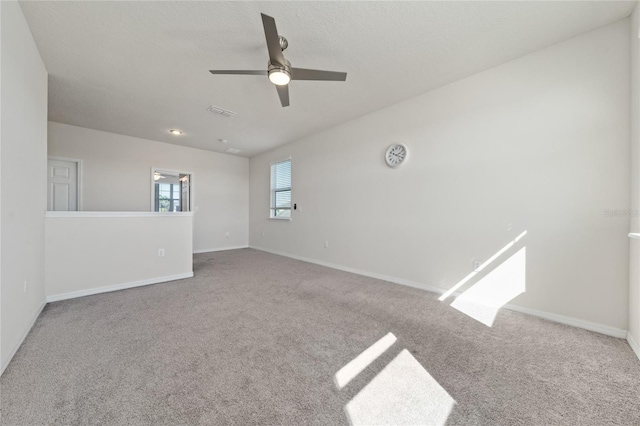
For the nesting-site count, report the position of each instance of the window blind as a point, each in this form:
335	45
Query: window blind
281	189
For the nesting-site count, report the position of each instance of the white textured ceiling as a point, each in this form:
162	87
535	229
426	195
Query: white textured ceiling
141	68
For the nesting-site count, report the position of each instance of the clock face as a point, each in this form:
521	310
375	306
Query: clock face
396	154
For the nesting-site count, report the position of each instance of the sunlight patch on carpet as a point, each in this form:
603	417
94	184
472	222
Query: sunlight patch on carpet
362	361
402	393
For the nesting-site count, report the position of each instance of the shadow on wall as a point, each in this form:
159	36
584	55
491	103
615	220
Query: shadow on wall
494	284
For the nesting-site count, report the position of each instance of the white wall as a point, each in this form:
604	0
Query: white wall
2	364
117	177
23	153
539	144
90	253
634	263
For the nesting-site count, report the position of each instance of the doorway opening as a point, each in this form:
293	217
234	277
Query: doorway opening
170	191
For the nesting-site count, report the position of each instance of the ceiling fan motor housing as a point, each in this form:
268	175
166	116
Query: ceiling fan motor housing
275	66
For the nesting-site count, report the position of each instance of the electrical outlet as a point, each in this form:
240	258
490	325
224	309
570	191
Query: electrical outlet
26	284
477	264
263	235
160	252
326	244
226	235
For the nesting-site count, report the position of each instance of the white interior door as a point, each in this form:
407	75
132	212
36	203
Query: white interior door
62	183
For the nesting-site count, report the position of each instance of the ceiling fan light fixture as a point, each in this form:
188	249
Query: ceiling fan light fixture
279	77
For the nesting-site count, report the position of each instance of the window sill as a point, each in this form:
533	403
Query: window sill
63	214
280	218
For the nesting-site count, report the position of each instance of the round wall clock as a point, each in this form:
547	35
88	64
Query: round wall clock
396	155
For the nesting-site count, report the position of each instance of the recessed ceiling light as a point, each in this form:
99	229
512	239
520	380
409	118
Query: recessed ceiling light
175	132
223	140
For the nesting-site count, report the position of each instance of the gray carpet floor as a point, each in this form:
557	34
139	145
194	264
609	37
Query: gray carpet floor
256	338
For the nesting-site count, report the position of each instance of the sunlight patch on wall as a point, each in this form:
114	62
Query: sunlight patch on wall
483	300
483	266
402	393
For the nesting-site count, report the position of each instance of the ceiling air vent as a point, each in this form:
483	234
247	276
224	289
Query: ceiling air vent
233	150
220	111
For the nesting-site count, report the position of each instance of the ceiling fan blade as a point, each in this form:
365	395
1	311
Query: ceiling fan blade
306	74
240	72
273	41
283	93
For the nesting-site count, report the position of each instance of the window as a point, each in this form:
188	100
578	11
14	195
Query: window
167	197
281	189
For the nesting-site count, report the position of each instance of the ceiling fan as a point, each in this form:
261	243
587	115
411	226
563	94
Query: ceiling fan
279	70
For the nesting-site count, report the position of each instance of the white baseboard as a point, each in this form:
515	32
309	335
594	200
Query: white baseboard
7	359
409	283
219	249
598	328
575	322
634	345
116	287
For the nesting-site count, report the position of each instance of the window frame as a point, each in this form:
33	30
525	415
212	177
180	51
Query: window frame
273	191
